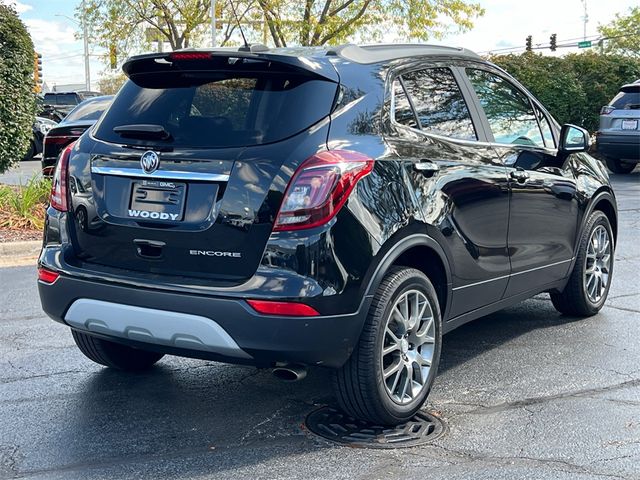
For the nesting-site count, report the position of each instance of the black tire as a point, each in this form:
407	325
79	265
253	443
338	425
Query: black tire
619	166
114	355
359	384
574	299
30	153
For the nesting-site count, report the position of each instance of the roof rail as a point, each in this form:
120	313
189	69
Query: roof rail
385	52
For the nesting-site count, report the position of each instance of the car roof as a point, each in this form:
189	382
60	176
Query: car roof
367	54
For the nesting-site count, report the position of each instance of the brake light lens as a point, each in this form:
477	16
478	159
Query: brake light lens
606	110
178	56
286	309
47	276
59	191
320	187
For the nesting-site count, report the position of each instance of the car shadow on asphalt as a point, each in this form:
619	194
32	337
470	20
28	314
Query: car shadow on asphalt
183	408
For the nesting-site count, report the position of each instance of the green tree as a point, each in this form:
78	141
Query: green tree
623	33
133	25
17	108
320	22
574	87
109	84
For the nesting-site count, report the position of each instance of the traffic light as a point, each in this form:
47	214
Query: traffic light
552	42
529	43
37	72
113	58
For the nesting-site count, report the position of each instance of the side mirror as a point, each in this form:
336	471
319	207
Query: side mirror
573	139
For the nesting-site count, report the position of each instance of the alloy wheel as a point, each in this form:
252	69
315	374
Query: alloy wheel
408	347
597	264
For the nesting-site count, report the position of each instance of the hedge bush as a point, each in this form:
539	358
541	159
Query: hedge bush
575	87
17	101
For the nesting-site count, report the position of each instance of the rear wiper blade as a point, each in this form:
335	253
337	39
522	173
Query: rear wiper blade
143	131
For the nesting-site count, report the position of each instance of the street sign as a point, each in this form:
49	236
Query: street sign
585	44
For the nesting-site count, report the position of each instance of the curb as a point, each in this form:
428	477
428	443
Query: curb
19	253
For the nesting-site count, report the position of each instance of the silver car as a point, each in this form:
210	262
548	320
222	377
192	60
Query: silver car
618	139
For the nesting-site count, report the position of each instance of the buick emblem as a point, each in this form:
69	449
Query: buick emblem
149	161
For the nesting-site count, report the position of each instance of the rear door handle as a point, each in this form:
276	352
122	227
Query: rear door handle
426	167
519	175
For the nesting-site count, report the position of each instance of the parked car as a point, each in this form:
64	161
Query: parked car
618	138
74	124
64	102
342	207
40	128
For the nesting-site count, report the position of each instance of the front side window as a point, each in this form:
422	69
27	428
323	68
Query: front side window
439	103
545	126
508	110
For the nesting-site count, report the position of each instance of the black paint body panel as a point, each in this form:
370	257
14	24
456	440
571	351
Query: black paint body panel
497	240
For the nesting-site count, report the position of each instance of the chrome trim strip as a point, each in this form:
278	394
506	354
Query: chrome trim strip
165	174
513	274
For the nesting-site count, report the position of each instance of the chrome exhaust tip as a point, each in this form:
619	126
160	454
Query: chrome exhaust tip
289	372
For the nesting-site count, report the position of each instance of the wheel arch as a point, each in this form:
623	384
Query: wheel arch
604	201
418	251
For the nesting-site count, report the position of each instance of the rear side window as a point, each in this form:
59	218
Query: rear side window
211	109
402	111
60	99
439	104
626	100
508	110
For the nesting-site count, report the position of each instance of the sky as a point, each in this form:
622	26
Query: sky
506	23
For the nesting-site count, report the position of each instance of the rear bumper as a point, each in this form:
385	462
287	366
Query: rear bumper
218	328
624	146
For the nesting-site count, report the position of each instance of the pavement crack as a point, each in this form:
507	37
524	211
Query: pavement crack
588	392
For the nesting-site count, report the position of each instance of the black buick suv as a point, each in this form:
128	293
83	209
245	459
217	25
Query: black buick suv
340	207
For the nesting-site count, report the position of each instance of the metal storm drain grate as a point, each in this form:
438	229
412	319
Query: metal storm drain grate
339	427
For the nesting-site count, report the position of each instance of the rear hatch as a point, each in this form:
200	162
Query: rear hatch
185	172
622	115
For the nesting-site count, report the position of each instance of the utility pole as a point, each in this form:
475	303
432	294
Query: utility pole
85	37
585	20
214	27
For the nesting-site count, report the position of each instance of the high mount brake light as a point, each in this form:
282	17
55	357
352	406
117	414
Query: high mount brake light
59	190
320	187
178	56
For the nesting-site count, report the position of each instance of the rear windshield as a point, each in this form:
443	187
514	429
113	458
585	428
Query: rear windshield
628	99
218	109
88	111
60	99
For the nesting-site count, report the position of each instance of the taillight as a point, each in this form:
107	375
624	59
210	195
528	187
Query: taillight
606	110
285	309
320	187
47	276
58	198
58	139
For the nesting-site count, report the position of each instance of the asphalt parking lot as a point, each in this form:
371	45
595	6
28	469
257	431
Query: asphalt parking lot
21	172
526	394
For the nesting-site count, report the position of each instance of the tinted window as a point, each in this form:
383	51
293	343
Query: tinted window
439	104
88	111
402	111
508	110
217	109
60	99
545	126
629	99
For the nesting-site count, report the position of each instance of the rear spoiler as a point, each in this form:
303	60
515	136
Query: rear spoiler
204	59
